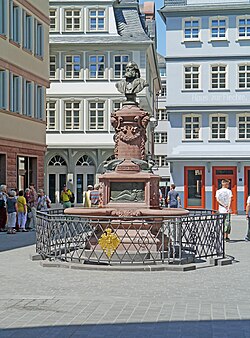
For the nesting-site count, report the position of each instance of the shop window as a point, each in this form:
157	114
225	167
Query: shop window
194	194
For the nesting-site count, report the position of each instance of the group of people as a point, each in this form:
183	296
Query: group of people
91	197
18	208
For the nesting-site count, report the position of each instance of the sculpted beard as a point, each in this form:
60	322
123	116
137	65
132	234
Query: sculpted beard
130	73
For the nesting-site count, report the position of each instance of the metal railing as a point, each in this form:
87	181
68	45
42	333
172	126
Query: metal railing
125	240
175	2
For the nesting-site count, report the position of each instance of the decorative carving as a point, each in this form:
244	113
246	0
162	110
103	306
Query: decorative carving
109	242
126	212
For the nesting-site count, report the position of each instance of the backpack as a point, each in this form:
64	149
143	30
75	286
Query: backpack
72	197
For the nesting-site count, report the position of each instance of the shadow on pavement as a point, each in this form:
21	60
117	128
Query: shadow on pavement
19	240
180	329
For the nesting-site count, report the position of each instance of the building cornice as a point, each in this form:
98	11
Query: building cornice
203	108
181	58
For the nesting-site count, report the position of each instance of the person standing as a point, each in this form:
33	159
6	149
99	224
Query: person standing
173	199
247	238
33	205
86	197
11	206
43	202
224	198
3	212
65	197
95	196
21	211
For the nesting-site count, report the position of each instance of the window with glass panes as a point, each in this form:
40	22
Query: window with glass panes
218	76
162	115
244	126
191	29
161	137
244	76
3	89
15	97
218	127
218	28
14	22
39	39
72	115
72	66
3	17
27	31
52	66
163	91
72	19
117	105
96	115
27	98
191	77
97	19
120	62
244	27
51	115
96	66
161	160
52	19
192	127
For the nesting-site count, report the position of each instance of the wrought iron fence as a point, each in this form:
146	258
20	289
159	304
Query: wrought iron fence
125	240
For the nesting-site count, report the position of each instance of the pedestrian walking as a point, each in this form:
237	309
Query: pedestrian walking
224	198
65	197
3	212
247	238
173	198
11	205
33	205
43	202
21	211
95	196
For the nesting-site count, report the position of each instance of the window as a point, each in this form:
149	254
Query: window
72	66
3	17
191	29
15	28
85	160
72	19
218	77
72	115
162	115
244	76
191	77
161	161
163	91
27	98
120	62
52	66
218	127
97	20
117	105
15	93
218	28
192	125
244	126
39	39
244	27
162	72
96	66
27	31
51	115
3	89
39	102
161	137
194	187
96	115
57	160
53	19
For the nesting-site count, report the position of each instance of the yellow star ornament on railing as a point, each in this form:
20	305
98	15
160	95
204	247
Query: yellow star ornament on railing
109	242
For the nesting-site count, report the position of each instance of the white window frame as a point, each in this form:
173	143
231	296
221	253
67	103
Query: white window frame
246	76
15	22
162	114
3	89
246	36
97	63
73	113
193	77
160	137
51	114
54	18
3	17
98	27
27	31
72	64
192	28
246	123
52	63
192	123
94	113
161	161
221	78
75	27
219	124
218	27
121	65
116	105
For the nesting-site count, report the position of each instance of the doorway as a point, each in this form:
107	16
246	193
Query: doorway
220	173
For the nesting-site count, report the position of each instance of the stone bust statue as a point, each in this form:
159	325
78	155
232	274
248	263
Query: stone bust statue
132	84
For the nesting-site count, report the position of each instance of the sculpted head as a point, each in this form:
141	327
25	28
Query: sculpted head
132	70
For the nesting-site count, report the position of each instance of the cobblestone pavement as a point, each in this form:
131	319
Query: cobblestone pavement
44	302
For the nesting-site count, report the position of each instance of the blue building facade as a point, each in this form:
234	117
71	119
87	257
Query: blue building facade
208	98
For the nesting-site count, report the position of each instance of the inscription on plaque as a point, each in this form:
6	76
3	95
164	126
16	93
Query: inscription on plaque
126	192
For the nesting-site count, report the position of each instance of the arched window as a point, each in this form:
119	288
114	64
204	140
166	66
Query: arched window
85	160
57	160
110	158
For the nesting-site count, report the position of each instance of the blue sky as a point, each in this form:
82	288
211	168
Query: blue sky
161	44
